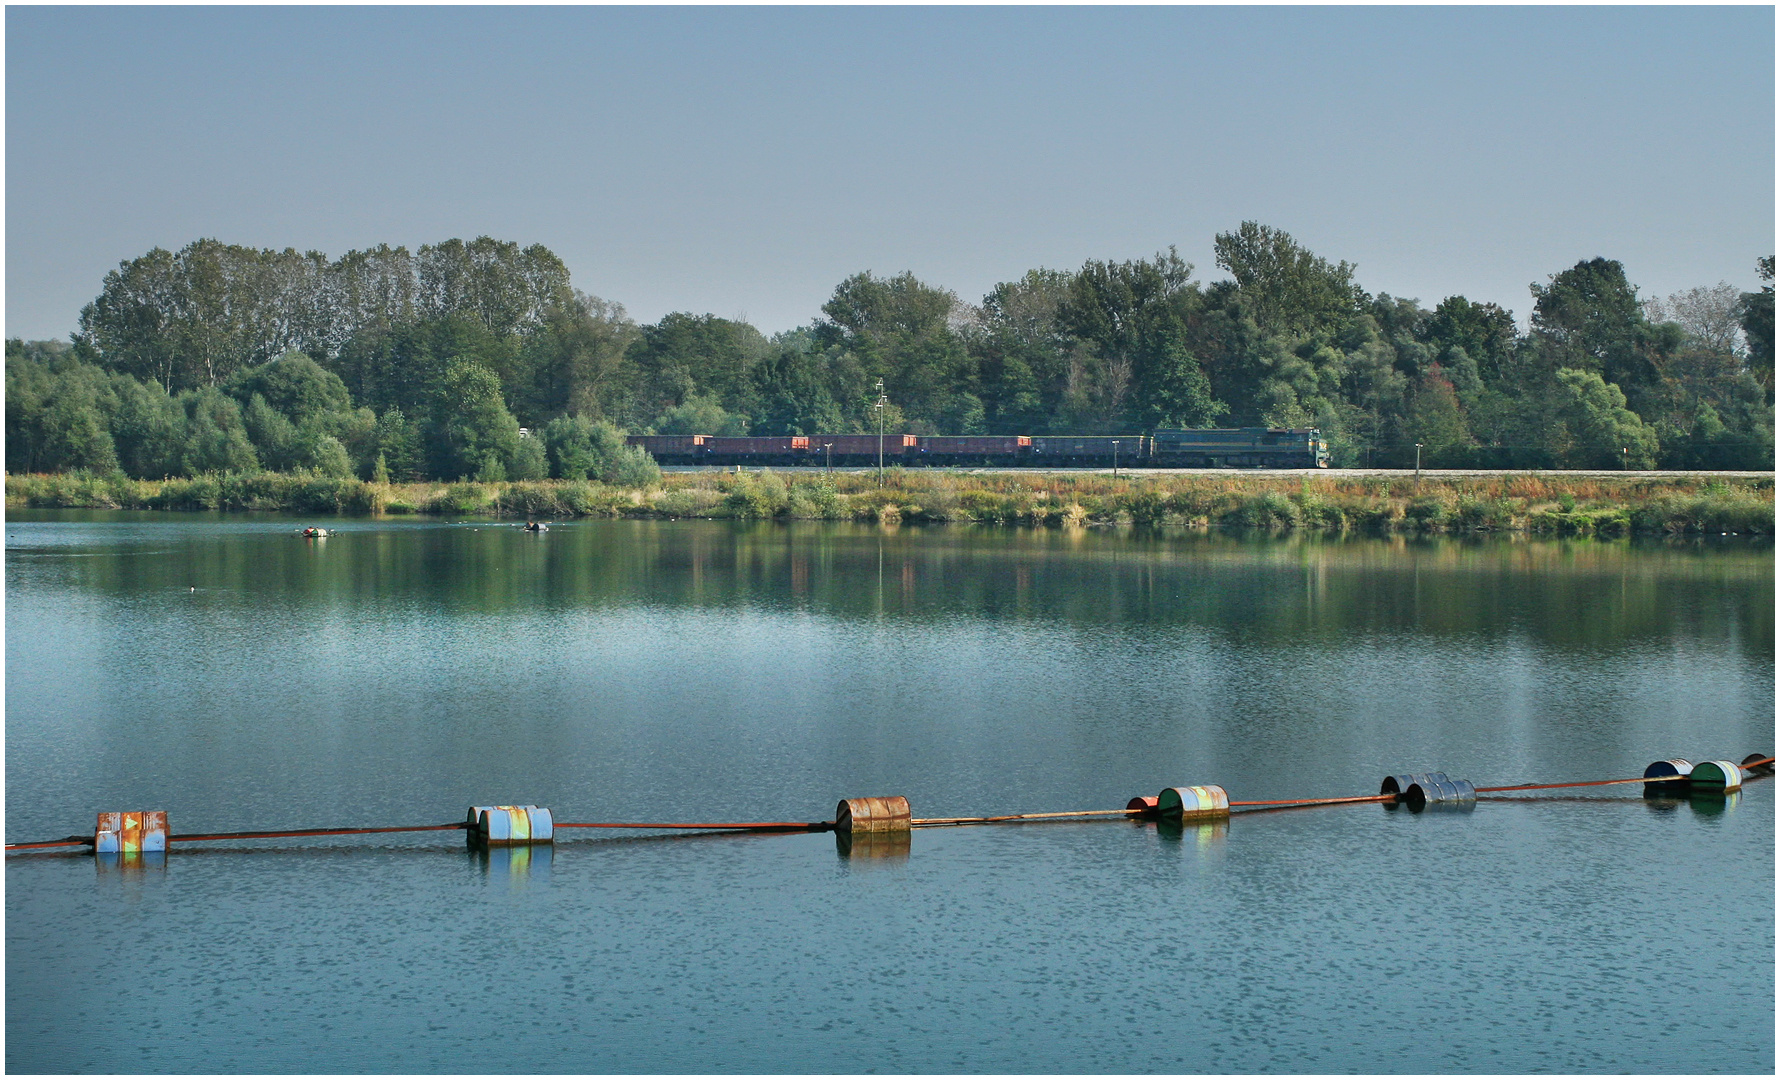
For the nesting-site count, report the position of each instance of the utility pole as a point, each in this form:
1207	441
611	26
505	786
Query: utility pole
828	451
1418	466
882	401
1115	459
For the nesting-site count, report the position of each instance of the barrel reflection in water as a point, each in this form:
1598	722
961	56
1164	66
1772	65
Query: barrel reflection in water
872	845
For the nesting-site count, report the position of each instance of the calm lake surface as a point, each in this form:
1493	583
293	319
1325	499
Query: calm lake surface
240	677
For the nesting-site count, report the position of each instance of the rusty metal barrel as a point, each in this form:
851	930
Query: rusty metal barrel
877	814
1715	776
1192	803
1764	769
1667	777
502	826
130	832
1144	805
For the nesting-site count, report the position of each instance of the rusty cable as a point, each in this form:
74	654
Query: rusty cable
280	833
1020	817
69	842
747	826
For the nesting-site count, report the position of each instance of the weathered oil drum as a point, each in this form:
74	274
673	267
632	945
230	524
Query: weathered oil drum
1142	804
499	826
877	814
1759	770
1667	777
131	832
1716	776
1189	803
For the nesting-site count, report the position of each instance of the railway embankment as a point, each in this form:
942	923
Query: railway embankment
1606	505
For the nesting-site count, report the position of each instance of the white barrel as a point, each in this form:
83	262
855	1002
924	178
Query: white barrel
1197	801
501	826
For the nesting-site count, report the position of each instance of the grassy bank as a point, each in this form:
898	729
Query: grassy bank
1543	504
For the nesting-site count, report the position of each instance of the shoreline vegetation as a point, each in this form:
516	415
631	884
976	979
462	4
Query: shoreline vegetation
1551	505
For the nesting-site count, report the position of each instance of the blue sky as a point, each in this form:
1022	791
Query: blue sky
742	161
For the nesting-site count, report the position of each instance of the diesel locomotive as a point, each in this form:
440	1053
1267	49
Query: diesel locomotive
1259	448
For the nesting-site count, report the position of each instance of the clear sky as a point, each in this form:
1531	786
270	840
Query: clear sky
742	161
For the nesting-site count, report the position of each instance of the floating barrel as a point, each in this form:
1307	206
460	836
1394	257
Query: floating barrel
1667	777
500	826
1189	803
878	814
1766	769
1436	790
131	832
1399	784
1144	805
1715	776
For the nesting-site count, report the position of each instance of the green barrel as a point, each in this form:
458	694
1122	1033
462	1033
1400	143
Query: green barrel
1192	803
1716	776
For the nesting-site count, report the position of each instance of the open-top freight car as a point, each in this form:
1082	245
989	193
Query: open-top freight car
1277	448
960	450
1052	451
1280	448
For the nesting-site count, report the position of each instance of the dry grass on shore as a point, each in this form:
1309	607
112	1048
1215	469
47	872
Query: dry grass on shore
1589	504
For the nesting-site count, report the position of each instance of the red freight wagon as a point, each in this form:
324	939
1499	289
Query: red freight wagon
857	449
758	449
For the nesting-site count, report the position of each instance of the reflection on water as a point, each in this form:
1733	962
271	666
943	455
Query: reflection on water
865	845
242	678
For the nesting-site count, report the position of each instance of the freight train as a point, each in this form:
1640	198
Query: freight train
1276	448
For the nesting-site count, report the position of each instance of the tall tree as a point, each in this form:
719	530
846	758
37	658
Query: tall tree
1287	289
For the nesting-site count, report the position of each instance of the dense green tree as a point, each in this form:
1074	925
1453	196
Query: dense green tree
1131	317
700	415
1484	333
1758	327
900	330
685	356
1589	318
472	432
1287	289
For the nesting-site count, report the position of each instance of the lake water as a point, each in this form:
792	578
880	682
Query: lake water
241	677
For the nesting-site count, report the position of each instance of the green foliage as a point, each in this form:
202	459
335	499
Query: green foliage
429	360
700	415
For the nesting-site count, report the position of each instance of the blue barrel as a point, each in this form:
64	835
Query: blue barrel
501	826
1716	776
1667	777
1192	803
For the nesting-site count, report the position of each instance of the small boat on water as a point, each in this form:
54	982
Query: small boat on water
313	533
536	526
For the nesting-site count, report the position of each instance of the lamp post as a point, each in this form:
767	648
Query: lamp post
1418	466
882	401
1115	459
1625	463
828	455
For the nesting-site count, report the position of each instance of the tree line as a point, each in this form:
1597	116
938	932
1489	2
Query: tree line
480	359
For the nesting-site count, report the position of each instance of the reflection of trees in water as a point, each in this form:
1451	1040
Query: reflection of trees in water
1251	588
